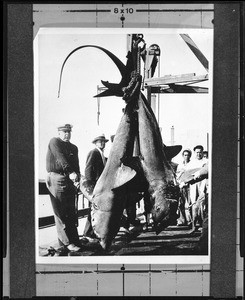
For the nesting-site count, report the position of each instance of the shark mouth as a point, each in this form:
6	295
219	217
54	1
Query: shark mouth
170	219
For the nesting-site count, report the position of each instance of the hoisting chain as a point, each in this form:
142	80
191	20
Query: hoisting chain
136	79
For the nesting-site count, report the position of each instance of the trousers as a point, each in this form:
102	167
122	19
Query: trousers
62	195
88	229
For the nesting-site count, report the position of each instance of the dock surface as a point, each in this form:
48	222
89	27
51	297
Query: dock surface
174	240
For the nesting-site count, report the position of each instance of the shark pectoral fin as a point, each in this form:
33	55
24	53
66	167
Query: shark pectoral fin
133	162
86	188
123	175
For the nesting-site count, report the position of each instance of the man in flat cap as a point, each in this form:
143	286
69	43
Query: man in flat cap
62	181
95	164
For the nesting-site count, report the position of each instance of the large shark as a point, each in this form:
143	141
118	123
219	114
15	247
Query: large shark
109	194
163	189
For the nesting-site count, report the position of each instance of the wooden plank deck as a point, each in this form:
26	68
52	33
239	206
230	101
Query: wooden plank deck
173	240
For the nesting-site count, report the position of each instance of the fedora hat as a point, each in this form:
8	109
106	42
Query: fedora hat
100	137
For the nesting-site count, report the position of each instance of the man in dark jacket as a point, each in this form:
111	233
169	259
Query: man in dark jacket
95	164
62	181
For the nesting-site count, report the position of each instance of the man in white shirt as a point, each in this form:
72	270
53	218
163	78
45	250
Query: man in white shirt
198	162
186	154
184	215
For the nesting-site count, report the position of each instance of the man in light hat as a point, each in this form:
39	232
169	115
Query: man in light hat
95	164
96	160
62	181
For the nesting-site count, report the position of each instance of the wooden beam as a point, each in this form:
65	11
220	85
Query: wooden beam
169	79
179	89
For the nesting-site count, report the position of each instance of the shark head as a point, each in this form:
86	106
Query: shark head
106	217
164	211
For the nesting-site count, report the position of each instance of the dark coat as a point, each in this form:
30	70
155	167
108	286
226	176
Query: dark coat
94	166
62	157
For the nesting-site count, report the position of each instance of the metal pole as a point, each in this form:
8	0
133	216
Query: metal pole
158	96
207	141
98	106
172	135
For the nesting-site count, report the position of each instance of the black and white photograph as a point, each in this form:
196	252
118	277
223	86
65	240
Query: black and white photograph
123	140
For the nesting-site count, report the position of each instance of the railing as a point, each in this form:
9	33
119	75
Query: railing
48	221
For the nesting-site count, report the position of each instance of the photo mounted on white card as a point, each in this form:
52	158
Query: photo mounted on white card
153	86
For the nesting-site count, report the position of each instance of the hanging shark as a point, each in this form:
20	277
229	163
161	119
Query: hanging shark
109	194
163	189
149	172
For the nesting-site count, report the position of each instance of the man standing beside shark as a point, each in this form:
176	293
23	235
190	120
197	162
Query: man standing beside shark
95	164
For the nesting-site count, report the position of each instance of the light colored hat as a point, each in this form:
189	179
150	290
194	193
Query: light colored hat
100	137
65	127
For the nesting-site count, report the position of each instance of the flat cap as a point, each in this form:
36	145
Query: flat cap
65	127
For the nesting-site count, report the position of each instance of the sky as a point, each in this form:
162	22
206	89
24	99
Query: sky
190	114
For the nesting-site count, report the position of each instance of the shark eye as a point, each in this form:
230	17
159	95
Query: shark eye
157	208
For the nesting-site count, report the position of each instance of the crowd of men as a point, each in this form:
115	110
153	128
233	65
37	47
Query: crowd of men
192	190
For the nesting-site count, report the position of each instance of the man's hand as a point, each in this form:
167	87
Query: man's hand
77	184
196	175
74	177
183	184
